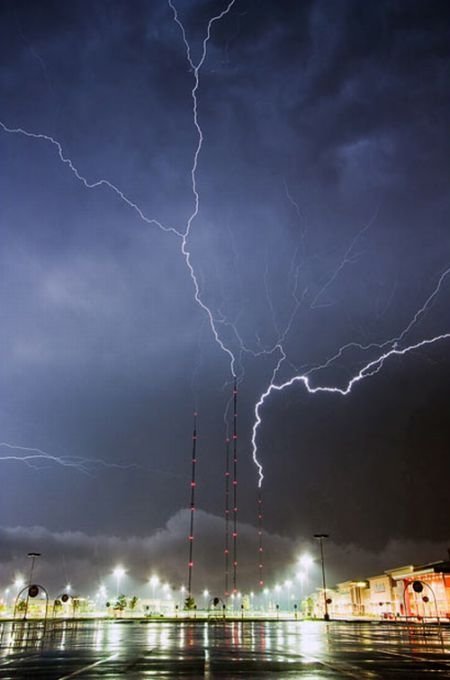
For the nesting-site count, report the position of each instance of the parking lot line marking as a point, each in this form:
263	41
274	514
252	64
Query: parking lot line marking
350	670
87	668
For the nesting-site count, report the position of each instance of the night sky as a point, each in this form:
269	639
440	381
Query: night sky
323	181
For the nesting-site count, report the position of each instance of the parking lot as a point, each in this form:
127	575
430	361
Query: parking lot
231	649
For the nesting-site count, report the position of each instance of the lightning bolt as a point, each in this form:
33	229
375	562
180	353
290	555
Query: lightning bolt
258	419
393	342
348	258
371	368
183	236
35	458
89	185
386	350
195	67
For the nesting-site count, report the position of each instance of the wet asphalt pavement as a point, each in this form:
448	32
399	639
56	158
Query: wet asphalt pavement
249	649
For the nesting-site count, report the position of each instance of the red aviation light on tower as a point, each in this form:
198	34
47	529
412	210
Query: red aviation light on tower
227	517
235	453
192	505
260	538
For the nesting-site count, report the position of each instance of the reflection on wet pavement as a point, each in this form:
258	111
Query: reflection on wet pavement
228	649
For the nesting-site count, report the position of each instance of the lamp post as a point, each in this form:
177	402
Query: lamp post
154	581
33	556
321	538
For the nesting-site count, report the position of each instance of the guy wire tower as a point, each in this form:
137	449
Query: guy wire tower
235	510
192	506
227	517
260	539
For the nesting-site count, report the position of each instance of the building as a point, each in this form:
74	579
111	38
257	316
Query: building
420	592
431	599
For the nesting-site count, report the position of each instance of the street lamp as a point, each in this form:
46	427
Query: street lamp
33	556
119	572
305	561
166	590
19	582
321	538
154	581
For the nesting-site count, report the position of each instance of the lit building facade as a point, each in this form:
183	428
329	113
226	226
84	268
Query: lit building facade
413	591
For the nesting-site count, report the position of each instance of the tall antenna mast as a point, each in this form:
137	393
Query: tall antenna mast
227	517
192	507
235	510
260	539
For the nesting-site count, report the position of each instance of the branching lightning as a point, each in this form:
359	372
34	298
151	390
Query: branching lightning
368	369
348	258
384	350
89	185
258	420
37	459
185	236
393	342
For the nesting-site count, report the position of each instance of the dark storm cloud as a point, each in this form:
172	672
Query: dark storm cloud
88	561
321	121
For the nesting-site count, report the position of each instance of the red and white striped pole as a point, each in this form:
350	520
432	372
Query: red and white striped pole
192	506
235	509
227	517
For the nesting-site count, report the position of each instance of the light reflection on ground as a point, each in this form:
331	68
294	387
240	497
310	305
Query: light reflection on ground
198	649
